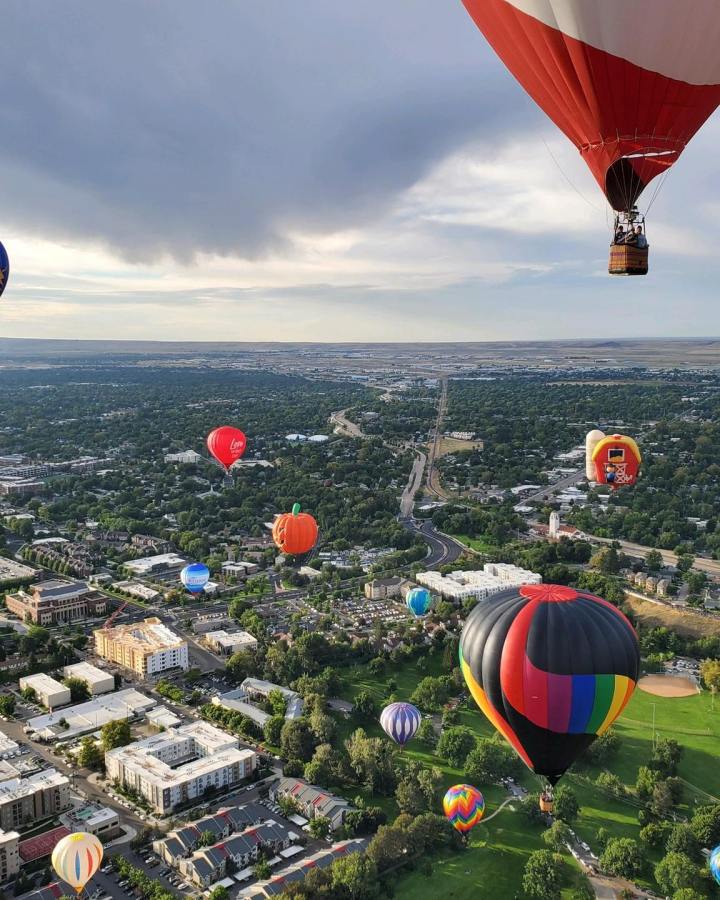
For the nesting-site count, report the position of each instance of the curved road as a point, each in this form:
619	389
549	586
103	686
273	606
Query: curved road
443	549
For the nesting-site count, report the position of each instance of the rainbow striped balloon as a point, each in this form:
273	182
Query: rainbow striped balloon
76	858
464	806
715	864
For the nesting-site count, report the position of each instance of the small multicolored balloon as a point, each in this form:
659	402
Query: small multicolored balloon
400	721
195	577
715	864
464	806
76	858
419	601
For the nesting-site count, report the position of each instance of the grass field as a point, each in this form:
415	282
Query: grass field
450	445
684	622
493	865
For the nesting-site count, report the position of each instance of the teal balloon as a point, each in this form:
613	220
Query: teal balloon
419	601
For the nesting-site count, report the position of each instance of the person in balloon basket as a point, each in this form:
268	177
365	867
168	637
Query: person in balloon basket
619	235
610	473
636	238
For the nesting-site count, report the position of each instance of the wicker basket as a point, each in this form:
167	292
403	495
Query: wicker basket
628	260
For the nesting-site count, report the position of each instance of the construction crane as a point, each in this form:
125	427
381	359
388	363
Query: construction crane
111	618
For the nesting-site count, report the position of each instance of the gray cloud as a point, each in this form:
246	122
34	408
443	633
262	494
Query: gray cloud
174	126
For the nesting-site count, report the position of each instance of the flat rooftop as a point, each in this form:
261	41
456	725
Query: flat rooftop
87	717
149	636
87	672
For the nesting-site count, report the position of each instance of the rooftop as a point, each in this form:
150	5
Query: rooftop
16	788
87	717
87	672
148	637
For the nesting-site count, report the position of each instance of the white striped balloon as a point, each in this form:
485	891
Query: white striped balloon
400	721
76	858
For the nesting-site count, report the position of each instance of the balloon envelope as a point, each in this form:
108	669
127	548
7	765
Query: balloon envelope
551	668
715	864
76	858
4	269
400	721
227	445
628	83
195	577
464	807
419	601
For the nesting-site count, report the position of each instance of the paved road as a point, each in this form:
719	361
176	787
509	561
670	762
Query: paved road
556	487
443	549
434	484
711	566
407	501
343	425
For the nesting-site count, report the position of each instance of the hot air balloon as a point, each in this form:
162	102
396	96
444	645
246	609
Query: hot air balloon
715	864
551	668
295	532
419	601
611	459
464	806
628	83
76	858
400	721
227	445
195	577
4	269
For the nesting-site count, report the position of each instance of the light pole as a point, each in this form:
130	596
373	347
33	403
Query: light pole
654	705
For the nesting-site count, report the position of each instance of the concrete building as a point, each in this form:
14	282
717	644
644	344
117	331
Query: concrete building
137	589
147	648
554	526
85	718
97	681
20	487
26	800
57	603
161	564
50	693
8	747
493	578
185	457
383	588
94	819
9	854
162	718
210	622
240	569
179	765
226	644
312	801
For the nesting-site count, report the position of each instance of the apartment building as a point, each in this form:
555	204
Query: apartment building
147	648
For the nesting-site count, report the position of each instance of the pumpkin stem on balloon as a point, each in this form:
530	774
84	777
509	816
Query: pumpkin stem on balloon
296	509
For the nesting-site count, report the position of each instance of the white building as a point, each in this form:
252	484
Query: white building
137	589
9	854
8	747
493	578
554	526
186	457
148	648
180	765
84	718
240	569
98	682
226	644
94	819
50	693
161	564
25	800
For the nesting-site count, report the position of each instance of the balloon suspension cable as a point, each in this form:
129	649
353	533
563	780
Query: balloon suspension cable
568	180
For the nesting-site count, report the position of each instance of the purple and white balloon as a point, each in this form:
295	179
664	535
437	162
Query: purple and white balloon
400	721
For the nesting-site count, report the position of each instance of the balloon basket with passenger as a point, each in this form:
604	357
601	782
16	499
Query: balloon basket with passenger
629	251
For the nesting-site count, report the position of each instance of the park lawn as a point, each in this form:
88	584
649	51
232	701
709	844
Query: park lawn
478	544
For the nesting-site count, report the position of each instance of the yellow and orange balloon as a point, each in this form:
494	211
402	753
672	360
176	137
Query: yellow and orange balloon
76	858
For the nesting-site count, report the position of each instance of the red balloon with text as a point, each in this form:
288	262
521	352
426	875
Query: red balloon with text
227	445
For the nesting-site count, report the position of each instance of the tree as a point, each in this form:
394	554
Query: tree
557	835
272	729
365	706
675	872
115	734
90	755
276	702
666	756
682	840
262	870
296	740
431	693
662	801
426	733
319	827
654	835
455	744
28	693
241	665
602	749
219	893
372	760
207	838
611	783
646	782
79	691
7	705
685	562
389	845
542	876
566	805
416	789
710	674
490	761
654	560
322	726
354	876
622	857
705	825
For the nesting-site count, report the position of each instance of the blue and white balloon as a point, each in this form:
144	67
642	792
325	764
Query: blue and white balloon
715	864
195	577
400	721
419	601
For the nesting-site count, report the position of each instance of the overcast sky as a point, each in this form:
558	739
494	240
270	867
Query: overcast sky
314	170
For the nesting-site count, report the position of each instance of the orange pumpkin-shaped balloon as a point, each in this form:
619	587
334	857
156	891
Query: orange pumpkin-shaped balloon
296	532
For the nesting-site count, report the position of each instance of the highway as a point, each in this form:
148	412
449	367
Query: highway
343	425
434	484
556	487
702	564
443	549
407	501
